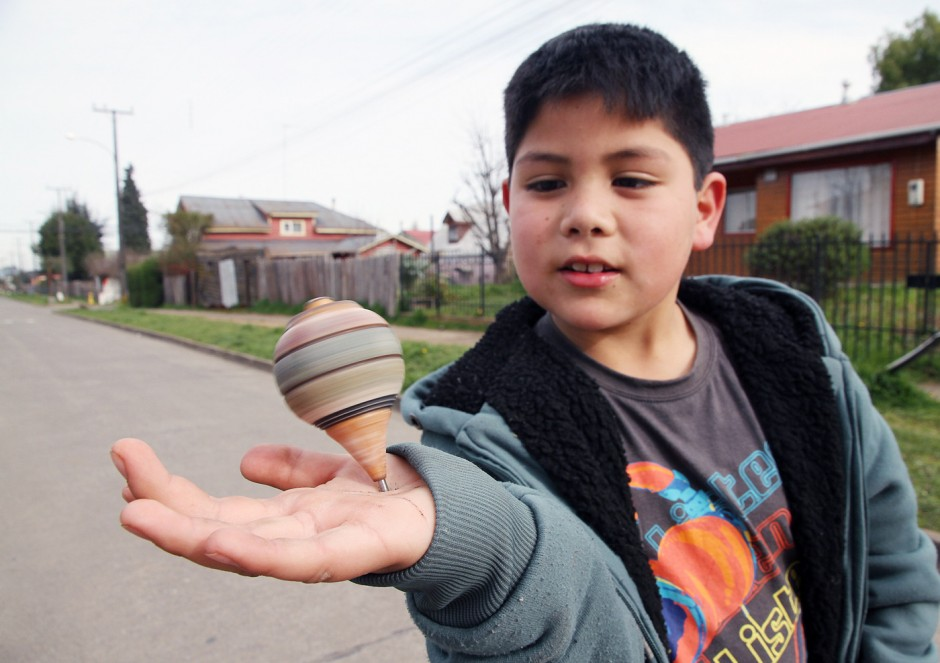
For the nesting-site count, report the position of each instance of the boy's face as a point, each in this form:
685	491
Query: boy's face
604	214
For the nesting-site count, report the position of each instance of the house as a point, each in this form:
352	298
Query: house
385	243
455	235
422	237
874	161
279	228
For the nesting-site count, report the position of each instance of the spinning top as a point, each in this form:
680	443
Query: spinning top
339	367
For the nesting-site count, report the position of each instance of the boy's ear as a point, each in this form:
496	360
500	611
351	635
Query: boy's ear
506	195
711	203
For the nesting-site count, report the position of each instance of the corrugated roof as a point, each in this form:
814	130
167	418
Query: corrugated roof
251	213
293	247
888	114
227	212
325	216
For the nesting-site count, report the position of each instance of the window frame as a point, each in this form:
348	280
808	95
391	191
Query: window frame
750	191
879	236
292	228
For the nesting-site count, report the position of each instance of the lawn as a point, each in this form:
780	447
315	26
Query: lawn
914	417
420	358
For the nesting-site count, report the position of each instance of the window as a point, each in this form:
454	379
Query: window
861	194
292	228
741	211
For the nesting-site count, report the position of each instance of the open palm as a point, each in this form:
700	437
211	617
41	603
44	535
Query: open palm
329	523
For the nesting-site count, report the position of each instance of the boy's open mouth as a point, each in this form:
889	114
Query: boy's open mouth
587	267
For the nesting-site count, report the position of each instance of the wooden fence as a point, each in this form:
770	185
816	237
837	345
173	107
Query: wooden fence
241	280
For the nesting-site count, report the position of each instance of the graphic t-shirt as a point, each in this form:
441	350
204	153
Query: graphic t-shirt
709	505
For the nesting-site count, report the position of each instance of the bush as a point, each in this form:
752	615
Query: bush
812	255
145	284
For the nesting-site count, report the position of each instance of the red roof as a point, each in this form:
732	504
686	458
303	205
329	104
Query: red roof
888	114
423	236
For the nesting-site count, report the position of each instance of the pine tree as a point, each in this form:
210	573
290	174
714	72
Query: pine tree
133	216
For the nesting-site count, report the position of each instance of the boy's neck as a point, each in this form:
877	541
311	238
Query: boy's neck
665	351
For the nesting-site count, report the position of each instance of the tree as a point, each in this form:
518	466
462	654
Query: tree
913	59
185	230
484	205
82	239
133	216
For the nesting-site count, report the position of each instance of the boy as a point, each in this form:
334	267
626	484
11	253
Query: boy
658	469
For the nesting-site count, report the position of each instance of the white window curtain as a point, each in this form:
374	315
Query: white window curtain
861	194
741	211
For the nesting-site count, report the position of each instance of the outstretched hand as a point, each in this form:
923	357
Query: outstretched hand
329	524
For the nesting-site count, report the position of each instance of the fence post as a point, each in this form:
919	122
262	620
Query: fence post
437	284
482	281
930	253
247	266
817	284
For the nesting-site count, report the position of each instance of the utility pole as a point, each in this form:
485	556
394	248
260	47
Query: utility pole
122	259
61	223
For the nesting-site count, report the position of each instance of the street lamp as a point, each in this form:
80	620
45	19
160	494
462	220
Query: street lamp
122	260
71	136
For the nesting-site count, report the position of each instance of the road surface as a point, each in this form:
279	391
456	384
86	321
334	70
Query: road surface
75	586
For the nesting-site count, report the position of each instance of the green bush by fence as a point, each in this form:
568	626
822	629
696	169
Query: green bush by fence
145	284
814	255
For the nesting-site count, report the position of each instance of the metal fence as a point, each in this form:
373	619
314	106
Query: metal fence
880	296
454	285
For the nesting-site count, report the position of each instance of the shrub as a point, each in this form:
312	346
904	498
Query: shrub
813	255
145	284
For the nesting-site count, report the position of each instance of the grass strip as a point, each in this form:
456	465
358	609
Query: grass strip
255	340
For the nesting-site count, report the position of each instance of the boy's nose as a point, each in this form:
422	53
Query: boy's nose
587	217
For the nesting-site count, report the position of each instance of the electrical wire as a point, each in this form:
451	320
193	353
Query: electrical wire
412	69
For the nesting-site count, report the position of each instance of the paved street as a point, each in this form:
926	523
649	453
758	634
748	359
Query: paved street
75	586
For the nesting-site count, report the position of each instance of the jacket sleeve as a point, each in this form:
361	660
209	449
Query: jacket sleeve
511	575
903	586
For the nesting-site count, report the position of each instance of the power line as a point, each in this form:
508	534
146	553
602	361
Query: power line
367	93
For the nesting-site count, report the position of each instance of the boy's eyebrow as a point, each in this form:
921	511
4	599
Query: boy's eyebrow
549	157
627	153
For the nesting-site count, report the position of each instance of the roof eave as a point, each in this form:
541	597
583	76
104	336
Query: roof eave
885	139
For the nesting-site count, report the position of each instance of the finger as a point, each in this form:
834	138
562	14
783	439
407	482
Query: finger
176	534
286	467
288	548
147	478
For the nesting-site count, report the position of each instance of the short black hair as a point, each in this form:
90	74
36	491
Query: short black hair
635	70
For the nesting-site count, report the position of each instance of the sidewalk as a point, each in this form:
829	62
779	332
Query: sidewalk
419	334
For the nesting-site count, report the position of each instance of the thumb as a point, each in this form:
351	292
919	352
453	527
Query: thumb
285	467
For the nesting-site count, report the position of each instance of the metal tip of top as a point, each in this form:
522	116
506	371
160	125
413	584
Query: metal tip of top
383	487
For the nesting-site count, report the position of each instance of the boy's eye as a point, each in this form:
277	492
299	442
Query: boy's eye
632	182
544	186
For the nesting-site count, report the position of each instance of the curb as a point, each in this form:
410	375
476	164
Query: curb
239	357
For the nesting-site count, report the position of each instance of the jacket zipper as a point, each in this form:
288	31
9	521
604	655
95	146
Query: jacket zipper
651	642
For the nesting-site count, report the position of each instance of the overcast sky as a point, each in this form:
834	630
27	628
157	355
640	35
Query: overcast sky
365	105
